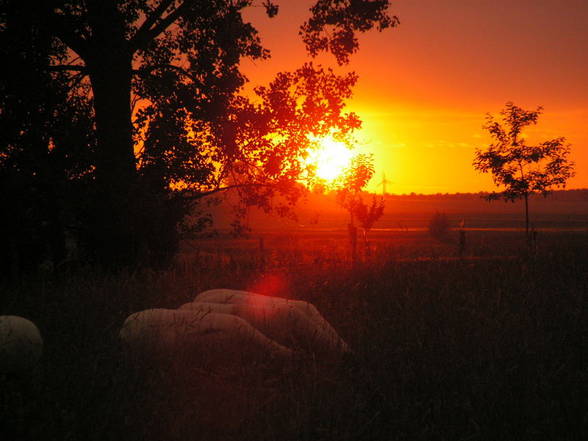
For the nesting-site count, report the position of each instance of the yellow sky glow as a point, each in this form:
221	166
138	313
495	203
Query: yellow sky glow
424	88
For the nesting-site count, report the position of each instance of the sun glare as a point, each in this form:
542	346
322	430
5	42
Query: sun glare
330	158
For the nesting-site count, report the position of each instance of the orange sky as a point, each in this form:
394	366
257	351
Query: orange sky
425	86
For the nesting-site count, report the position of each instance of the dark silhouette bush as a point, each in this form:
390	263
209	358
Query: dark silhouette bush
439	226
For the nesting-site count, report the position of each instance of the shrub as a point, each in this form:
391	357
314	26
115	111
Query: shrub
439	226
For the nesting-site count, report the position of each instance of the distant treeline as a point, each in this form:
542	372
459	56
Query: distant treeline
559	195
566	208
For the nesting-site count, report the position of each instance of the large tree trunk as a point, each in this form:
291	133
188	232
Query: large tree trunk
112	219
111	223
115	166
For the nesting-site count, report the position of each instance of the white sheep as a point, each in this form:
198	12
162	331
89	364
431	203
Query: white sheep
293	323
208	337
224	327
21	344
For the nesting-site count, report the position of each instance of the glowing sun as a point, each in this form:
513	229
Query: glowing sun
330	158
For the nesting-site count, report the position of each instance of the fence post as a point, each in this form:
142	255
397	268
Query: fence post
262	250
353	239
462	243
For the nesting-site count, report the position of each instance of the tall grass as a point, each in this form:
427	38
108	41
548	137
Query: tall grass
444	348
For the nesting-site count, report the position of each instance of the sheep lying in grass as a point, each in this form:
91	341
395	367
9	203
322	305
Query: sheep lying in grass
226	327
21	344
205	338
293	323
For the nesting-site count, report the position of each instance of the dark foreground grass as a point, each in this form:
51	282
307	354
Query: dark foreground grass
444	349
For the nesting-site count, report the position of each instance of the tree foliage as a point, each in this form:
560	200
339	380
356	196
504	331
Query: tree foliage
333	25
46	142
522	169
367	215
158	90
353	181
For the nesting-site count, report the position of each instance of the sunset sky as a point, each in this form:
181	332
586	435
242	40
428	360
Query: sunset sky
426	86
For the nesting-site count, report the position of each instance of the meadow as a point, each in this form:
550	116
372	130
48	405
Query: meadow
487	344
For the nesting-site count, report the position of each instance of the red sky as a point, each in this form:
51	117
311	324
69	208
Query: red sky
426	86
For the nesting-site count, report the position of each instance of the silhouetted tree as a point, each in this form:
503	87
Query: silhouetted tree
368	215
163	81
348	188
520	168
46	138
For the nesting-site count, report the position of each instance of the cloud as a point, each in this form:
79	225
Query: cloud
445	144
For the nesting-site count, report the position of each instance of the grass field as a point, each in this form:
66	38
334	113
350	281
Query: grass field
489	345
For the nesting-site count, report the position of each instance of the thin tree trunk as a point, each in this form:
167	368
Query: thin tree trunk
368	251
527	215
353	241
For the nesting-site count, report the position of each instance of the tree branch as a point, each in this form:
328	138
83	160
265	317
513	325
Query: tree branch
223	189
66	67
179	69
151	19
145	35
67	35
77	79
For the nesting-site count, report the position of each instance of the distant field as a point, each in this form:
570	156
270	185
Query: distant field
316	247
567	210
